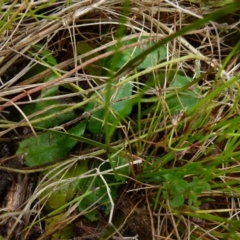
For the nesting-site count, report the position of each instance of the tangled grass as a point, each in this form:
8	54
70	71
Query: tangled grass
157	94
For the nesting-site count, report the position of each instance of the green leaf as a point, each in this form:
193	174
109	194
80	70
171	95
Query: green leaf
61	194
49	146
177	201
120	107
178	186
124	56
51	222
54	105
118	161
171	177
52	91
186	99
83	47
55	108
199	185
100	196
192	199
46	54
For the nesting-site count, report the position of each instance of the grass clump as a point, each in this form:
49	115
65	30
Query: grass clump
124	116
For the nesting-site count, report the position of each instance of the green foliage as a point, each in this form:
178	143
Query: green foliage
61	194
65	233
82	48
212	3
177	190
120	104
107	184
44	56
45	108
100	196
49	146
182	100
120	107
123	57
119	174
179	97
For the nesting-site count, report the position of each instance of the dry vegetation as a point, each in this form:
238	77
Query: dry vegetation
152	138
